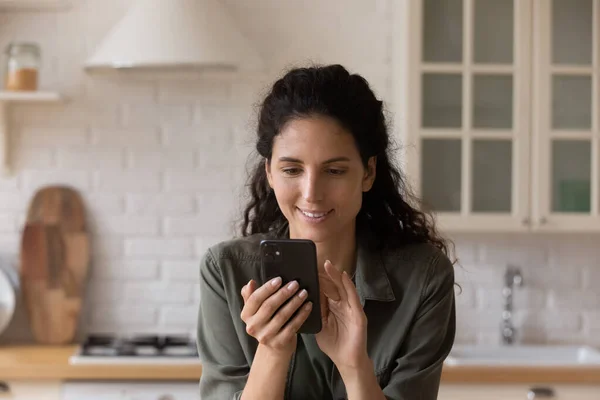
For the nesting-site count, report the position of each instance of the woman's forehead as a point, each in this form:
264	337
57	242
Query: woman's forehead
317	137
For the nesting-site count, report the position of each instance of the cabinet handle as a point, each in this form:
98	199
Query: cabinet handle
540	393
526	221
543	220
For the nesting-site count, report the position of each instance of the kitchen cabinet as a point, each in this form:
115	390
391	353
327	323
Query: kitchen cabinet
499	109
518	392
27	390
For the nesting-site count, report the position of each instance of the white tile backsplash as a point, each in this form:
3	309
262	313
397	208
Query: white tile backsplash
161	204
159	293
176	248
8	223
159	160
139	139
184	271
125	269
30	137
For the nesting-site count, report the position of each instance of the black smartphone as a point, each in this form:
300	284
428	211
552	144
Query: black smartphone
294	259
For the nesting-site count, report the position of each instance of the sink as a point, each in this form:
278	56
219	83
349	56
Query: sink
523	355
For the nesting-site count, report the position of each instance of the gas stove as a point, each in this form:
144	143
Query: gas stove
136	349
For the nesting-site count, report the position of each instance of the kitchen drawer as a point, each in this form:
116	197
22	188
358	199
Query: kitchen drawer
27	390
128	390
517	392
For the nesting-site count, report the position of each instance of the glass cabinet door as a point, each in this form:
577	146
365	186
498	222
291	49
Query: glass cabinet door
472	114
566	108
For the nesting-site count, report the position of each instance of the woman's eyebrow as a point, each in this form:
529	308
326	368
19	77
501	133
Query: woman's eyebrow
295	160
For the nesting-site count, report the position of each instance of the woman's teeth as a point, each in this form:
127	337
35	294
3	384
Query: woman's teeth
314	215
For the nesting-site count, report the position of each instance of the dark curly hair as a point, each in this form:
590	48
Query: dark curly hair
331	91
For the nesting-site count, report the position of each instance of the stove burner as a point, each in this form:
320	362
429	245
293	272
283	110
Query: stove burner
139	346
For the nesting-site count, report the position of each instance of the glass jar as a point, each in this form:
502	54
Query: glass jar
22	66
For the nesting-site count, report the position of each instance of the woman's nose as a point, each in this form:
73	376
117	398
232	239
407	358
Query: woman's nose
312	191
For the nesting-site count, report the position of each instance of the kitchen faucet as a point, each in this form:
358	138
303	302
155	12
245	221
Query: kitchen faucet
512	278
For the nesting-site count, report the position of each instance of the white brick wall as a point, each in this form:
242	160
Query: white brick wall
158	156
158	247
129	269
558	301
161	204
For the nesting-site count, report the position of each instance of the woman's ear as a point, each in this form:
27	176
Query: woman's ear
268	172
369	177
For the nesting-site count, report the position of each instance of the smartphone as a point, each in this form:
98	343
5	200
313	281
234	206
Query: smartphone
294	259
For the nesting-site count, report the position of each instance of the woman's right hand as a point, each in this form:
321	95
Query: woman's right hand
267	322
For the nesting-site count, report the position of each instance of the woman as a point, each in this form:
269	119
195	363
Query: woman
387	284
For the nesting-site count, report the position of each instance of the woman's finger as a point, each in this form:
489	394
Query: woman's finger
272	304
336	277
248	289
294	324
353	298
284	313
258	296
244	291
327	286
272	313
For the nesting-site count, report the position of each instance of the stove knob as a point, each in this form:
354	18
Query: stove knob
166	397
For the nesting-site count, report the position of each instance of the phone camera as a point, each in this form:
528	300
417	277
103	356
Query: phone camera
271	252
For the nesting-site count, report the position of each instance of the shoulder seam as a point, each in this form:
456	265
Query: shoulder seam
432	260
211	259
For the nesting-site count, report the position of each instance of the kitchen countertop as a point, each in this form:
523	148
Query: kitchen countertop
52	362
511	374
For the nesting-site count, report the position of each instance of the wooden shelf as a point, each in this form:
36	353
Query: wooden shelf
6	98
29	97
34	5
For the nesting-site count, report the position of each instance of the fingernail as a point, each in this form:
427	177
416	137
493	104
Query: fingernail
303	293
276	281
293	285
308	306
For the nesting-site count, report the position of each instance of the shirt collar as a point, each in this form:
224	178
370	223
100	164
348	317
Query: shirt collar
372	282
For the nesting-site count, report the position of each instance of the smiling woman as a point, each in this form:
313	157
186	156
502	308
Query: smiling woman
326	175
318	179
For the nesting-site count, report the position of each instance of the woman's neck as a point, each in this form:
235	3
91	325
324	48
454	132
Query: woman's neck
341	252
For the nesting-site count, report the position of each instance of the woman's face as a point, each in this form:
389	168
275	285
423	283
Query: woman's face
318	178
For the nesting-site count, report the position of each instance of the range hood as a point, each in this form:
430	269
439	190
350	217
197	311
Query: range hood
175	34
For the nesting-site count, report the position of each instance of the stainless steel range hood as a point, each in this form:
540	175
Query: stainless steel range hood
166	34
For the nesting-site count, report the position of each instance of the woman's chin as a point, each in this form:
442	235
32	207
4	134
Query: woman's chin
316	235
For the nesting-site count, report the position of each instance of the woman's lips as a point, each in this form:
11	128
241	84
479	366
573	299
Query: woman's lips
314	216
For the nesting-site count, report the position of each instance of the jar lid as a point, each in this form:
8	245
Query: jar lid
22	46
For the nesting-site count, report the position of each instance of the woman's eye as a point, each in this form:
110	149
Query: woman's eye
291	171
336	171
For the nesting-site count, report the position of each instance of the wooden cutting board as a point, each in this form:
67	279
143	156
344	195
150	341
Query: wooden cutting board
55	256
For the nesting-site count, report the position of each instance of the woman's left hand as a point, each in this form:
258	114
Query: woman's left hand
344	334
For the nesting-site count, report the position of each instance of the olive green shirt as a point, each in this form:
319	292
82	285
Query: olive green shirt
407	296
